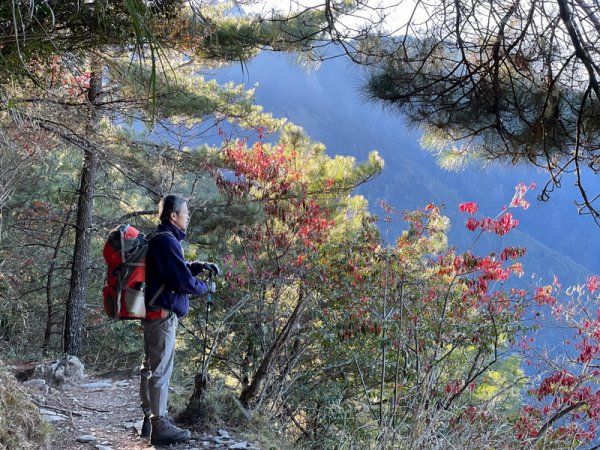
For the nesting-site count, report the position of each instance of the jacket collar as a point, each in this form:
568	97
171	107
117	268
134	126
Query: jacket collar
179	235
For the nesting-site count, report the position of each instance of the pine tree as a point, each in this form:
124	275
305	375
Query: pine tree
500	81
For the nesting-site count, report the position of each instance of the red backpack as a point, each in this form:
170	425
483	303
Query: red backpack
125	251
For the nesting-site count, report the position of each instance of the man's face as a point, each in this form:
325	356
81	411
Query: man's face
182	218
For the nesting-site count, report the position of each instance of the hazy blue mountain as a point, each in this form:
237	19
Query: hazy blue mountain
329	105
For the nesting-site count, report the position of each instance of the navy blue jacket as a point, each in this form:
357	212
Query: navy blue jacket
165	264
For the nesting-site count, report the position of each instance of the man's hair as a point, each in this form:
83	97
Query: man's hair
169	204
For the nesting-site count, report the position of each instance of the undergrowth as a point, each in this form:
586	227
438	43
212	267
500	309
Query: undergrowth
21	426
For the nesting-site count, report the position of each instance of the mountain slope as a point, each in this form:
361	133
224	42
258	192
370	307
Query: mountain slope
329	105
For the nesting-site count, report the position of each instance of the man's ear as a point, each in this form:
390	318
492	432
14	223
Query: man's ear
173	216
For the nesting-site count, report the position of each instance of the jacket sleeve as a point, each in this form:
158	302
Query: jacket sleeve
176	270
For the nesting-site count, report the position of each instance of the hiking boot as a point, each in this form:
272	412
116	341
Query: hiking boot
146	427
164	432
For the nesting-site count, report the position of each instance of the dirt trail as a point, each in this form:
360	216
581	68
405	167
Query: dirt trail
106	412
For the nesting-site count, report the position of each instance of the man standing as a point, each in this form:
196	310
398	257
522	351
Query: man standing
169	279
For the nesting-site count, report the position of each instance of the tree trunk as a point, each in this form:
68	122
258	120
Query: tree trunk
76	300
194	410
250	391
49	280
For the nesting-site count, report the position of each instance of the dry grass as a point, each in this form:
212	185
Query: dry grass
21	426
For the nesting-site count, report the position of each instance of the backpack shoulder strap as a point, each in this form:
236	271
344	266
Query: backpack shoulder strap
155	296
157	234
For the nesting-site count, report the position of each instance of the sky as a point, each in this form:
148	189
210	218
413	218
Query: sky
393	13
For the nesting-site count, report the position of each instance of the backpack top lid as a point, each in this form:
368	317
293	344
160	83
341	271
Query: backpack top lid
119	244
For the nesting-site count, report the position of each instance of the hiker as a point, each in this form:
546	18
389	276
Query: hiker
169	281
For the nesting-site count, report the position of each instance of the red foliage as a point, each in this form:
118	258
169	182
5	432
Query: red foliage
569	399
295	224
544	295
593	284
469	207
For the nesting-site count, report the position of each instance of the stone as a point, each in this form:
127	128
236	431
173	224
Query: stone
103	447
38	383
51	416
66	369
238	446
87	438
222	441
97	385
121	383
224	434
138	426
39	399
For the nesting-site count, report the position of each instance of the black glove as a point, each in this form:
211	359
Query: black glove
211	267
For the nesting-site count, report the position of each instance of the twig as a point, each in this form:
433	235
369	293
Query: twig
98	410
66	411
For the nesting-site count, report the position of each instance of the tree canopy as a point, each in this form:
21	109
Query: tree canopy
500	80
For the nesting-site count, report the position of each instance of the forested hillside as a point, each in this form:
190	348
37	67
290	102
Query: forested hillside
369	298
350	125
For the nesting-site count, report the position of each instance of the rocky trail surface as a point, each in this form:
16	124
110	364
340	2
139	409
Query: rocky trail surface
102	413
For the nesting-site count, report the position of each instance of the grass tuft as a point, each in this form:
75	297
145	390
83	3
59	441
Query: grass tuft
21	425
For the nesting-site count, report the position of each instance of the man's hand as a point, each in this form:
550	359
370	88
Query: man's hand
212	267
198	266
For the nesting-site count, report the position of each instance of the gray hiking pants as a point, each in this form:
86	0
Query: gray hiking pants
157	365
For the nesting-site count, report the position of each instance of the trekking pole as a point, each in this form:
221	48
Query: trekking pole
209	303
209	300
